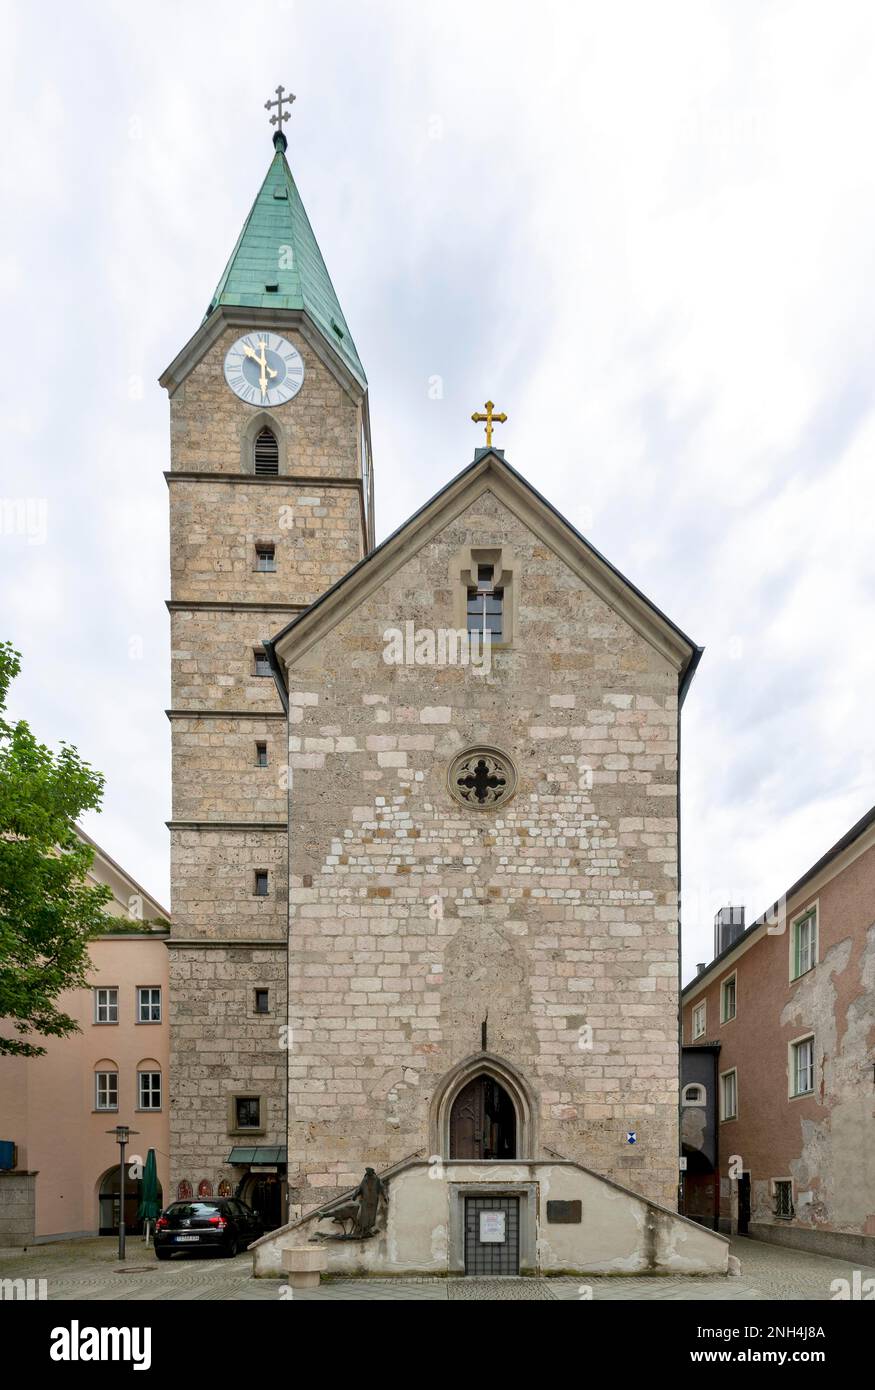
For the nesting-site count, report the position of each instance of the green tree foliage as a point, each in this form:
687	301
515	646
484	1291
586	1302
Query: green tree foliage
48	912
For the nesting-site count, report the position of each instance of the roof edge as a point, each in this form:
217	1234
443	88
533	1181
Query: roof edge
486	460
850	837
239	316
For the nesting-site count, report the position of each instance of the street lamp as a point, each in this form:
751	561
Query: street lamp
122	1135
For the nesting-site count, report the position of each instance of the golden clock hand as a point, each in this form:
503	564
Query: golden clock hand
265	369
260	362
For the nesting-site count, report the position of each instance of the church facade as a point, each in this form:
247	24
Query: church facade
425	826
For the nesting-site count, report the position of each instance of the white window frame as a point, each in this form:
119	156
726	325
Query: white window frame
730	1071
108	1004
686	1100
700	1033
792	1068
733	979
464	576
812	912
150	1089
98	1075
150	989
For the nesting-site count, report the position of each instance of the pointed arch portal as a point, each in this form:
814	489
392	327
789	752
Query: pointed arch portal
483	1109
483	1121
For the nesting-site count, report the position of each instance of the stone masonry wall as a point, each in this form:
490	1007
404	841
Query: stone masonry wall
213	876
412	918
219	1048
319	426
215	774
213	659
17	1208
215	526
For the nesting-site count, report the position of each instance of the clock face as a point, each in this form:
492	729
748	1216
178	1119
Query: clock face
264	369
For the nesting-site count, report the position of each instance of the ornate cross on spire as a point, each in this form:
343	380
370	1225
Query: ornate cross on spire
490	418
281	116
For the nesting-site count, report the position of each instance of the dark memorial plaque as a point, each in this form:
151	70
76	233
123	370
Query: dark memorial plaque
564	1213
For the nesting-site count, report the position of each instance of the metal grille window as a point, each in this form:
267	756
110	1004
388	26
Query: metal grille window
149	1004
262	665
149	1090
106	1090
265	559
804	944
492	1235
247	1112
486	605
106	1006
784	1199
267	454
803	1067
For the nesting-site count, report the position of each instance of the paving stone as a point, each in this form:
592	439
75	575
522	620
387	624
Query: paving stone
88	1270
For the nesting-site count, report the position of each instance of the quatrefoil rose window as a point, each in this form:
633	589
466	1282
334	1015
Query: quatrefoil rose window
482	778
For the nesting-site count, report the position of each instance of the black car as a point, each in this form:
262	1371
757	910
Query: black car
221	1223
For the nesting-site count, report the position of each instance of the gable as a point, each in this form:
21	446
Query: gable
490	474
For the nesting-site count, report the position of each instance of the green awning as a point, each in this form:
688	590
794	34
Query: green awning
240	1156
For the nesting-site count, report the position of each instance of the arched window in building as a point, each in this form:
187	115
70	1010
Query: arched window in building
266	452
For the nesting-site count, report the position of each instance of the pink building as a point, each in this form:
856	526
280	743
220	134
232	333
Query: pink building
57	1109
784	1017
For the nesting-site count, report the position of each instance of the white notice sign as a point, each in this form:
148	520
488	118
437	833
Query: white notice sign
492	1227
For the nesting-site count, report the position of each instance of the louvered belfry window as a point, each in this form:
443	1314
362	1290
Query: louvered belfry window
267	454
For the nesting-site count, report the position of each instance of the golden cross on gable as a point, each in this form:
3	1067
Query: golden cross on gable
490	417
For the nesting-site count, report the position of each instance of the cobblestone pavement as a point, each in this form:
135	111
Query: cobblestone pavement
89	1270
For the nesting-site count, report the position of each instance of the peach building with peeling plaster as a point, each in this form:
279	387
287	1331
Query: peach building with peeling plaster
789	1008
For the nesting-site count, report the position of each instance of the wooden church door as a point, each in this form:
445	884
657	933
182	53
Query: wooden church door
483	1121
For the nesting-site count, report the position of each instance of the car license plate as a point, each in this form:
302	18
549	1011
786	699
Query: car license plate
178	1238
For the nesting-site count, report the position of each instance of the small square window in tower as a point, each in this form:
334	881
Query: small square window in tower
265	559
262	664
486	605
266	452
247	1112
261	883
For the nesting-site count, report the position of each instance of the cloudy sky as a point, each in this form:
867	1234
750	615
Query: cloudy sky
647	231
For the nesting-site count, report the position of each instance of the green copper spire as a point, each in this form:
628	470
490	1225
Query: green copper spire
277	263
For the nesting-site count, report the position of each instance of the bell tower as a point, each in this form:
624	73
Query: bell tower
271	502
